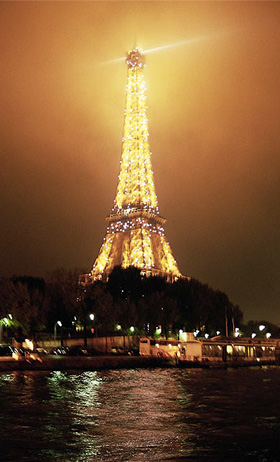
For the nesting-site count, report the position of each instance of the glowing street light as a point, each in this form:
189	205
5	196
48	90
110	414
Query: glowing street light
158	331
253	335
261	327
5	322
2	323
237	332
58	323
91	317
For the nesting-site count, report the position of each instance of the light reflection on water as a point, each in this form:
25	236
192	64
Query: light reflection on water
141	415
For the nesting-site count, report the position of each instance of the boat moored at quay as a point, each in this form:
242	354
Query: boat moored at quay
214	352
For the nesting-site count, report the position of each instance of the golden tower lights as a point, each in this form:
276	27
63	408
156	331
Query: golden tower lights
135	234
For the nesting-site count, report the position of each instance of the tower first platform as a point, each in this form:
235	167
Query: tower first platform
135	233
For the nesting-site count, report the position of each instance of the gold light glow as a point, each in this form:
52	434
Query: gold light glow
135	234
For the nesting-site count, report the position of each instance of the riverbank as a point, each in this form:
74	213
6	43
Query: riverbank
60	363
90	363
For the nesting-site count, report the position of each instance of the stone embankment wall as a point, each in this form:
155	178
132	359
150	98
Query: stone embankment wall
88	363
102	344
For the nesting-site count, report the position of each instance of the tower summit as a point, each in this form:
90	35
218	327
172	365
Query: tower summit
135	233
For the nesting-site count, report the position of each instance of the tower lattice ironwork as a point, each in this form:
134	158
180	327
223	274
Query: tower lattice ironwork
135	233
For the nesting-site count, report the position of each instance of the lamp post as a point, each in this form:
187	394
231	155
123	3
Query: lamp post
226	320
81	302
4	322
233	324
85	325
91	317
1	330
58	323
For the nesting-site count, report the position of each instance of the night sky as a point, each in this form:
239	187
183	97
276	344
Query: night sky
213	109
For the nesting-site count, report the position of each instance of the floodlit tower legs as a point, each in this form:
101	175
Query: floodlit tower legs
135	233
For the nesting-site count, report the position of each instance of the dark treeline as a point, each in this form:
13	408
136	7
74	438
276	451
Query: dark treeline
126	303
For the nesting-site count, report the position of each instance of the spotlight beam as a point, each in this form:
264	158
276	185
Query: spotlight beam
112	61
173	45
159	48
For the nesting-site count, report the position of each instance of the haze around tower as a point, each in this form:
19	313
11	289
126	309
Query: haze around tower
213	110
135	234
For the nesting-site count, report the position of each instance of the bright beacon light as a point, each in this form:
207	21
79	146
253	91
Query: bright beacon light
176	44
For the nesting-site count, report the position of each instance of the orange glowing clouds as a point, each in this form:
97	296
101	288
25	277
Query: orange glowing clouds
213	110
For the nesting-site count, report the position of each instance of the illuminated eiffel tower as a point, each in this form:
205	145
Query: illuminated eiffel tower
135	234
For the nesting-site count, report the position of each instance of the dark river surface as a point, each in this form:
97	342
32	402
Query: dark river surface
141	415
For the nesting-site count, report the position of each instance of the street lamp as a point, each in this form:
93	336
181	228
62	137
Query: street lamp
261	327
58	323
1	329
5	322
91	317
237	332
158	331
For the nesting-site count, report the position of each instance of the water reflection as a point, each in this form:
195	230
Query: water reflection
138	415
141	415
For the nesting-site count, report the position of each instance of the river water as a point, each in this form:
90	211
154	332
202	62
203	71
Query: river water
141	415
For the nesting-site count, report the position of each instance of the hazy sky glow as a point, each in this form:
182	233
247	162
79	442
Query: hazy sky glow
214	111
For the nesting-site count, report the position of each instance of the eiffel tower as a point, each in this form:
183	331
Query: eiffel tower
135	233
